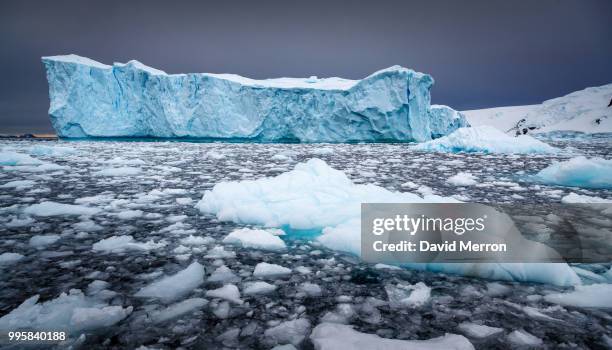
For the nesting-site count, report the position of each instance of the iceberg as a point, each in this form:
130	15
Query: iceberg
578	172
93	100
485	139
322	201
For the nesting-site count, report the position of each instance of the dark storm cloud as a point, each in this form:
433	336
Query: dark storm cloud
481	53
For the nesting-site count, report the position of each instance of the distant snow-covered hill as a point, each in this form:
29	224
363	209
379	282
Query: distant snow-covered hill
583	111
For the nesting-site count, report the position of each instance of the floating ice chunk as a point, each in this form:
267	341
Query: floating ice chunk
223	274
594	295
408	295
129	214
581	198
288	332
342	314
87	226
10	258
41	241
13	158
474	330
214	155
322	151
254	238
332	336
485	139
386	267
178	309
123	161
53	151
173	287
304	270
121	171
344	237
560	274
523	338
96	286
310	289
19	185
17	222
73	312
284	347
267	270
578	172
184	201
87	318
228	292
218	252
258	287
197	240
281	157
57	209
117	244
462	179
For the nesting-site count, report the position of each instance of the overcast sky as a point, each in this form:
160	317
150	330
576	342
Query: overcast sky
481	53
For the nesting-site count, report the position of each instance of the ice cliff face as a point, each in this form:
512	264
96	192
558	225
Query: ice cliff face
91	99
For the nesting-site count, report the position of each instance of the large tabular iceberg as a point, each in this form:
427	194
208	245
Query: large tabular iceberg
91	99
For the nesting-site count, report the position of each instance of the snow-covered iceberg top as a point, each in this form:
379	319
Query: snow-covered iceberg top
326	204
578	172
485	139
91	99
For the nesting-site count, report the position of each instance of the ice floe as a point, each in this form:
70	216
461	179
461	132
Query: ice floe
578	172
73	312
523	338
178	309
462	179
474	330
228	292
57	209
408	295
8	258
117	244
173	287
594	295
485	139
288	332
258	287
41	241
332	336
121	171
254	238
267	270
